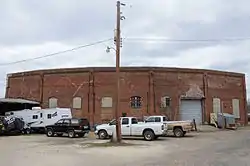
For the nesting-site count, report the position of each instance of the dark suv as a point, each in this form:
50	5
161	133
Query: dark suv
72	127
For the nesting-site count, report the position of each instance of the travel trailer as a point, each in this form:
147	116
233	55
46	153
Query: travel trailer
38	118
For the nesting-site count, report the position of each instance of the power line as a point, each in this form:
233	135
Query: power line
57	53
186	40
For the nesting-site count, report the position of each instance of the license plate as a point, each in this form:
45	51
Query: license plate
86	127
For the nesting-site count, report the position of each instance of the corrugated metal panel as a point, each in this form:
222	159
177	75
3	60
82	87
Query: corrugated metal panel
236	108
216	105
191	109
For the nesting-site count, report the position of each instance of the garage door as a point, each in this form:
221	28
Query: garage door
191	109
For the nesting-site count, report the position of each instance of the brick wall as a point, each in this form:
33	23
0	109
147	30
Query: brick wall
91	84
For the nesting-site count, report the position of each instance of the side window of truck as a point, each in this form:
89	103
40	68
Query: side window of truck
151	119
157	119
134	121
125	121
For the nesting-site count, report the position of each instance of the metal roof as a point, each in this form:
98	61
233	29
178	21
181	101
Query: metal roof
13	100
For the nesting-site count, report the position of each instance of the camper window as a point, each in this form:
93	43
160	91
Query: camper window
49	116
35	117
41	115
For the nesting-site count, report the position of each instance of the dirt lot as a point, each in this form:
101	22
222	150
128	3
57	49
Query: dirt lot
218	148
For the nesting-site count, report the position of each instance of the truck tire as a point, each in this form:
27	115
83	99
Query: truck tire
71	133
102	134
148	135
50	133
178	132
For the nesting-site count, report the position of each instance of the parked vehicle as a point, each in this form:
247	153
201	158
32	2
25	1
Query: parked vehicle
131	127
38	118
179	128
13	125
70	126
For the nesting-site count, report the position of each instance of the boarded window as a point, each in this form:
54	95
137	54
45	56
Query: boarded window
77	102
165	102
236	108
107	102
135	102
53	102
216	105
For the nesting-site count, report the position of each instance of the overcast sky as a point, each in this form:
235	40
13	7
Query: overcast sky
34	28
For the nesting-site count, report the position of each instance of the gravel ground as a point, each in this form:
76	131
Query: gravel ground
201	149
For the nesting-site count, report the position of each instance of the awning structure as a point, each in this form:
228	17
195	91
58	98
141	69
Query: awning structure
19	101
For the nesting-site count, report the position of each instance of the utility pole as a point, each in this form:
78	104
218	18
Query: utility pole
117	40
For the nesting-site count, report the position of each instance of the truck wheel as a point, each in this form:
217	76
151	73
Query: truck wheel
149	135
50	133
178	132
71	133
102	134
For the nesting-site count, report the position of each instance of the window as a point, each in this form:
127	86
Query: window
66	121
74	121
77	102
41	115
157	119
134	121
35	117
49	116
135	102
107	102
125	121
112	122
236	108
165	118
60	121
52	102
216	105
165	101
151	119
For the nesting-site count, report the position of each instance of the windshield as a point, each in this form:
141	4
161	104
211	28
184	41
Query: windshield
112	122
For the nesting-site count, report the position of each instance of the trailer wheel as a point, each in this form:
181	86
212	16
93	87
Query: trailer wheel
71	133
50	133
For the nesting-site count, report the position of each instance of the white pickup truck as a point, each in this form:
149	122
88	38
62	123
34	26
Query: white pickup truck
131	127
179	128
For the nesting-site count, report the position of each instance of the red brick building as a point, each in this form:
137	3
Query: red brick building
176	92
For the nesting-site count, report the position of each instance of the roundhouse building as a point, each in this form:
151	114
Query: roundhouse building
179	93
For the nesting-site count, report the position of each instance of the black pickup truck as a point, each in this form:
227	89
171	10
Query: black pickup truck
72	127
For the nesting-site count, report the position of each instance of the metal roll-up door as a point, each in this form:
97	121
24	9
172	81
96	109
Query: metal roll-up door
191	109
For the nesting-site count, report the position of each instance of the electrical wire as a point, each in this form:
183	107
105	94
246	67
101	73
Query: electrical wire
56	53
185	40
